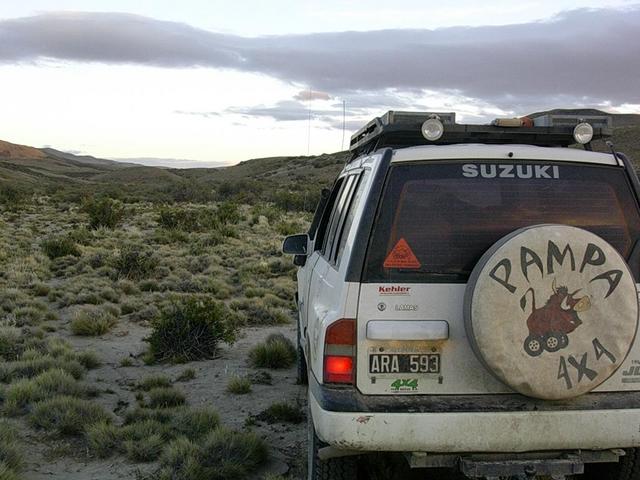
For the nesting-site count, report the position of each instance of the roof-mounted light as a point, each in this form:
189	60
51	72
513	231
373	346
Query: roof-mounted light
583	133
432	129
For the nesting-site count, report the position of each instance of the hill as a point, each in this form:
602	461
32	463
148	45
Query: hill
291	181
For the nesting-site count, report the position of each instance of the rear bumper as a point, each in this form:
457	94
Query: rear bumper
461	432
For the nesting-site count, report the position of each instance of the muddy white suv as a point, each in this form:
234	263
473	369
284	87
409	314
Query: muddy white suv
467	299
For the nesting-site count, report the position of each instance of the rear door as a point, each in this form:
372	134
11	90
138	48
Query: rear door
327	286
434	222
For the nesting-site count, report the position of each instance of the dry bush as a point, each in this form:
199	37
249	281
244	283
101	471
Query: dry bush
221	455
153	381
103	212
276	351
191	329
10	452
67	415
91	322
239	385
166	397
282	412
135	262
60	246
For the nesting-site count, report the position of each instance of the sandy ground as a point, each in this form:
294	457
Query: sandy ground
48	458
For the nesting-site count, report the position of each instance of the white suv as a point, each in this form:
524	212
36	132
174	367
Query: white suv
467	298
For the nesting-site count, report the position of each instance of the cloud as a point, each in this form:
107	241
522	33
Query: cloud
306	95
286	110
585	55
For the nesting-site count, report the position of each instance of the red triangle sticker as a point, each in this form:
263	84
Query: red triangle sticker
401	256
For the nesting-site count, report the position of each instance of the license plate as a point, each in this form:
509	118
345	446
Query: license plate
404	363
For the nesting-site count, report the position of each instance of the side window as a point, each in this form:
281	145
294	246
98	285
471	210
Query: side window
351	211
336	216
326	215
317	216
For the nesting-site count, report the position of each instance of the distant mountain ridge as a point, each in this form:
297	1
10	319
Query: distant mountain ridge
34	169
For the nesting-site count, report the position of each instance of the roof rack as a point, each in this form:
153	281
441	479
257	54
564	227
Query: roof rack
404	129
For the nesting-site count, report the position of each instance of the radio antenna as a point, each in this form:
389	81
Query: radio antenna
344	121
309	129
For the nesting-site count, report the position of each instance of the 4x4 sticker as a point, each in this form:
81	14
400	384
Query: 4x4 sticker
405	385
401	256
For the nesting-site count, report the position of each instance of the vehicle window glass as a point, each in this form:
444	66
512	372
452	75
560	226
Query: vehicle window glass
448	220
336	214
317	216
326	215
355	201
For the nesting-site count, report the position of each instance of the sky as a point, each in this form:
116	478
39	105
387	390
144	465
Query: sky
208	82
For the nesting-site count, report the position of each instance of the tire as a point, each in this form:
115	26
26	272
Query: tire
342	468
628	468
302	375
552	342
564	340
533	345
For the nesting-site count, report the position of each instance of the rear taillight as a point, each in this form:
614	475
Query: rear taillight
340	352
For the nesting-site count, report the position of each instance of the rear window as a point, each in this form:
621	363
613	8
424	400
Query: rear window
436	220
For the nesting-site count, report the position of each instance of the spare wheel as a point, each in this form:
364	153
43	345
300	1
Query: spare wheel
551	311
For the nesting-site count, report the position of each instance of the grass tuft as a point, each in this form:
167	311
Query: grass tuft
154	381
166	397
92	322
67	415
239	385
276	351
282	412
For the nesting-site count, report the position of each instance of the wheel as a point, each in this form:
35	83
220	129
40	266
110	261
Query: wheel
342	468
533	345
552	342
627	468
302	376
564	340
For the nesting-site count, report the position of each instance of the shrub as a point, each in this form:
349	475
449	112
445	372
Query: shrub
191	330
11	198
276	351
163	397
282	412
91	322
67	415
228	212
239	385
135	262
56	247
104	212
187	219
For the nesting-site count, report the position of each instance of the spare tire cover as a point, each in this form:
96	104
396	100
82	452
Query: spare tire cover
551	311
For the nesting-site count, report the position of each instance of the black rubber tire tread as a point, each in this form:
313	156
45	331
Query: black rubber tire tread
628	468
342	468
302	375
301	364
